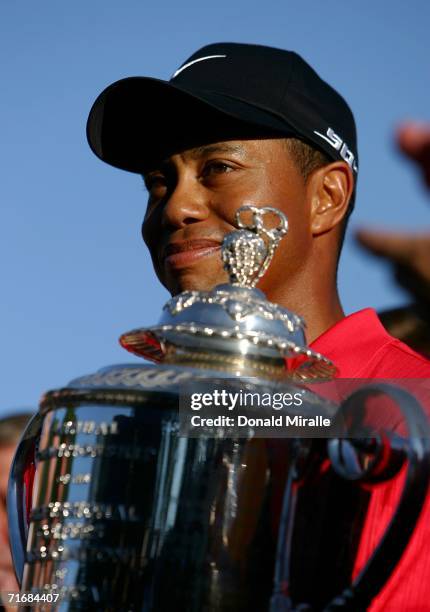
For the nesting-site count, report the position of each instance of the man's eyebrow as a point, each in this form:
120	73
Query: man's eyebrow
224	147
217	148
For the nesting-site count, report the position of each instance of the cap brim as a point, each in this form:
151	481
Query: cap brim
137	120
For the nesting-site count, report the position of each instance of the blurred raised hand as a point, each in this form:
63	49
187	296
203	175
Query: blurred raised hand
409	254
413	140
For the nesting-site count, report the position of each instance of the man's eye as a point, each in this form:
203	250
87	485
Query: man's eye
155	181
216	167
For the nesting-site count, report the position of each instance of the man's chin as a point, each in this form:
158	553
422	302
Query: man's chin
195	282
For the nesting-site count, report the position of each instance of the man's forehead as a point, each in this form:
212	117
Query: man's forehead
225	147
235	147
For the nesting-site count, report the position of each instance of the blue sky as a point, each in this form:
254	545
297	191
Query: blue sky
75	273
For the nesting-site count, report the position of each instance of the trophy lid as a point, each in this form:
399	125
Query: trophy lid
234	325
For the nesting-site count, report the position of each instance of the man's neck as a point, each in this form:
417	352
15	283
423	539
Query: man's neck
319	312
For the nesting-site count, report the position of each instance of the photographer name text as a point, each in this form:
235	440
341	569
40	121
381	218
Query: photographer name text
280	420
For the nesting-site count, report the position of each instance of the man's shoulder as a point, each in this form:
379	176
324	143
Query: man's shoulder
395	359
361	347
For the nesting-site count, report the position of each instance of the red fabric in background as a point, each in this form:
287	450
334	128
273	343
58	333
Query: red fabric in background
361	348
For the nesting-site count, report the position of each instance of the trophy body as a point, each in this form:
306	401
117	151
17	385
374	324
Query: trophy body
127	514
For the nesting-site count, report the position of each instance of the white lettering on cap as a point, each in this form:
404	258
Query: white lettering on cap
337	143
199	59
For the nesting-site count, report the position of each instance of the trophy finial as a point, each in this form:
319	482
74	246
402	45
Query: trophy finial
247	252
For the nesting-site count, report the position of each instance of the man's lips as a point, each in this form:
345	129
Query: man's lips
181	254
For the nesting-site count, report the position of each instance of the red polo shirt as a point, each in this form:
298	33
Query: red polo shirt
361	348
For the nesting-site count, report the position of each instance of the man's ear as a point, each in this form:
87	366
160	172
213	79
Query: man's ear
331	189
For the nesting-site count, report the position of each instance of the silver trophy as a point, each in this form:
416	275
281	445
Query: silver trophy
124	513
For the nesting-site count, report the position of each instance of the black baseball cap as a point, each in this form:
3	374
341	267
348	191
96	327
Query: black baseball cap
226	90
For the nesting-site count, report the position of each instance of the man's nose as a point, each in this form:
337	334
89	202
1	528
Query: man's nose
186	203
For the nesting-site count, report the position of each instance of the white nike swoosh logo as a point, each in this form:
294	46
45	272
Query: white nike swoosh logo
199	59
325	138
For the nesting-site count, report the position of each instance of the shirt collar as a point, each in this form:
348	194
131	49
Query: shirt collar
352	342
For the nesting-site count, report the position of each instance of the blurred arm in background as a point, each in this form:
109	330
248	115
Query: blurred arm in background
408	254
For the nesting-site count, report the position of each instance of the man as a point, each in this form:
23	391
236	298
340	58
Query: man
11	428
245	124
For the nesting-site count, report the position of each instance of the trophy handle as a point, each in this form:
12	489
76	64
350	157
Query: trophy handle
390	452
416	451
17	495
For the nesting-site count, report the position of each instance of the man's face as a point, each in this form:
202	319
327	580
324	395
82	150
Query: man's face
193	197
7	575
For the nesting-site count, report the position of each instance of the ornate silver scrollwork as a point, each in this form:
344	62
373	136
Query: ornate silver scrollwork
137	378
237	305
